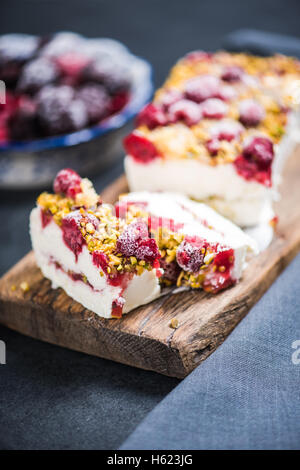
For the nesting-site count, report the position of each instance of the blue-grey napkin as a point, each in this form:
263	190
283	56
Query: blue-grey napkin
246	395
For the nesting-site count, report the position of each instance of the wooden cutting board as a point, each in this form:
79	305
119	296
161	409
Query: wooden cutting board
144	338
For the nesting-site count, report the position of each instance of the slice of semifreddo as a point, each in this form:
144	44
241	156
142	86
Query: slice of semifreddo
76	240
199	248
219	131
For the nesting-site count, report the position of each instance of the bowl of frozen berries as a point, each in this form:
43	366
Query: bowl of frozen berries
66	102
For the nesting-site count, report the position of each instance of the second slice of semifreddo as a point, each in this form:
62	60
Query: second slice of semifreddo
199	248
219	131
113	259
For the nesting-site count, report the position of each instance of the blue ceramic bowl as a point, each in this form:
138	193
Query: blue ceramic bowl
34	164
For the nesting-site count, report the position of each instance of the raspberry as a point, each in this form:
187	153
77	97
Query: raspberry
72	63
96	101
58	112
226	93
67	182
46	217
134	241
151	116
260	150
62	43
117	307
225	258
213	146
114	78
251	112
18	47
213	108
226	130
201	88
140	148
190	254
147	250
100	260
220	277
15	50
170	97
245	168
232	73
128	241
36	74
197	56
186	111
72	235
171	270
23	122
118	102
7	113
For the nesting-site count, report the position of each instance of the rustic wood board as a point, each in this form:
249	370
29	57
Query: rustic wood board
144	338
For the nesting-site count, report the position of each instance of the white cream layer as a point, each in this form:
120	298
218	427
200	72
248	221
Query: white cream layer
49	247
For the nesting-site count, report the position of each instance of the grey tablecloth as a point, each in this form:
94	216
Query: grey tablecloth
246	395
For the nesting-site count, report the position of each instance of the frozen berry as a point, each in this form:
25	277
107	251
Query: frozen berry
128	241
72	235
140	148
213	146
100	260
15	50
36	74
117	307
151	116
224	259
203	87
251	112
23	123
245	168
147	250
63	43
232	73
213	108
18	47
169	97
186	111
227	93
191	253
67	182
250	170
226	130
114	78
197	56
171	270
72	63
118	102
7	113
96	100
134	241
58	112
260	150
46	217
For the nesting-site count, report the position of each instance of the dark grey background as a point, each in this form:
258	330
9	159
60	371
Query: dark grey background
51	397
